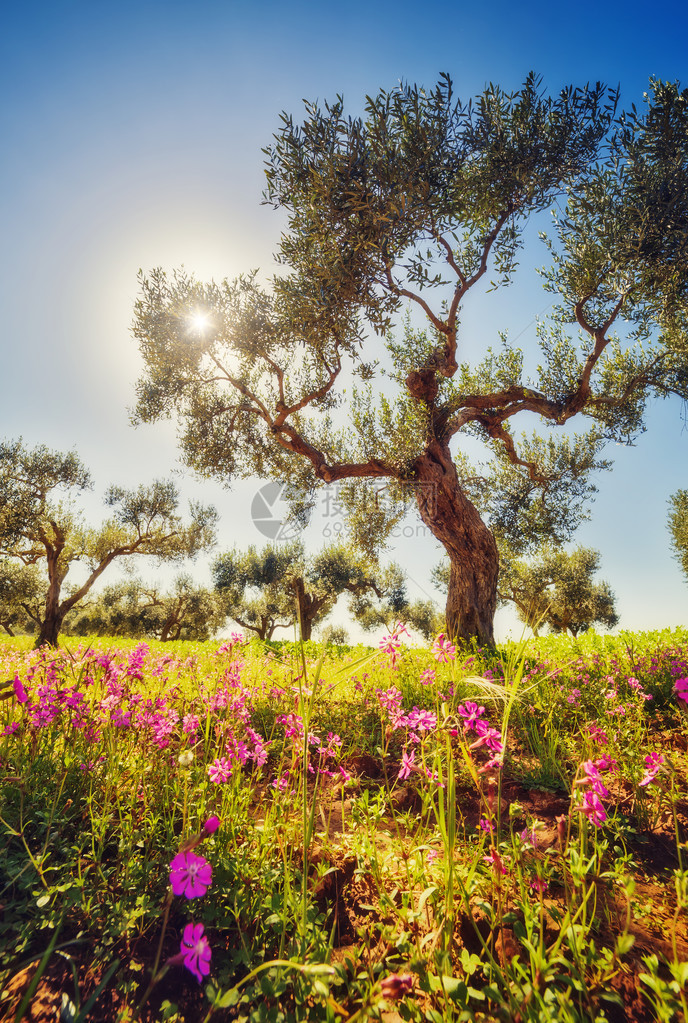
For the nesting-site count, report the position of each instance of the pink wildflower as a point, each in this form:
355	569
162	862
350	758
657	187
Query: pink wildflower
496	762
422	720
495	859
195	951
408	761
211	825
442	650
428	676
190	724
597	734
390	644
470	712
487	736
593	809
220	771
190	875
396	986
529	835
20	693
653	762
681	687
281	784
592	778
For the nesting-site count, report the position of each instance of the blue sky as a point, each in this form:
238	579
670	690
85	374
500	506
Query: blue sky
132	137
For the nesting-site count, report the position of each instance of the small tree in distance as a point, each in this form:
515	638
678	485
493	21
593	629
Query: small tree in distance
22	589
678	527
419	204
252	586
558	589
280	586
38	528
131	608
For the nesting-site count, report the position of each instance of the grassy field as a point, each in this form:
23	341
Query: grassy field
247	832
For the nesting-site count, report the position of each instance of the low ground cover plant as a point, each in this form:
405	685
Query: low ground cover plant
252	831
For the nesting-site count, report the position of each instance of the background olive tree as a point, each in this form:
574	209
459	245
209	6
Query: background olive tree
281	585
133	608
558	589
678	527
41	525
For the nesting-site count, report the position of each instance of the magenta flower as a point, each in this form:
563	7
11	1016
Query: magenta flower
529	835
19	691
220	771
396	985
496	860
408	761
593	779
487	736
593	809
211	825
471	712
496	762
190	724
422	720
390	645
190	875
653	762
681	687
195	951
442	650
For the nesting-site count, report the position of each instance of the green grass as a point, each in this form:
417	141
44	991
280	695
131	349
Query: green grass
372	854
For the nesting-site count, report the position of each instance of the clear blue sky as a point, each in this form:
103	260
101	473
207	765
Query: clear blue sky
131	137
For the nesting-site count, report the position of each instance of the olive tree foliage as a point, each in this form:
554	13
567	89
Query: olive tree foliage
280	585
21	596
558	589
40	525
422	615
253	586
678	527
132	608
421	204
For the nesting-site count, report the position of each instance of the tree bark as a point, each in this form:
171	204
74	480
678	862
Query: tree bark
304	603
53	617
50	629
473	555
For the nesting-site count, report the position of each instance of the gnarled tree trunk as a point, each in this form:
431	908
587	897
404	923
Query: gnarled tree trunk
50	628
473	555
54	614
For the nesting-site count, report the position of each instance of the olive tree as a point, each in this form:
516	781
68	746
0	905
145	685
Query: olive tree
558	589
280	585
133	608
40	525
678	527
421	204
21	591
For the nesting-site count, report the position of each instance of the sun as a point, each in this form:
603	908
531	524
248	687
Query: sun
199	321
